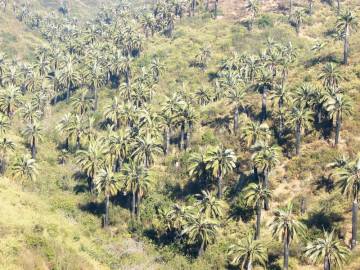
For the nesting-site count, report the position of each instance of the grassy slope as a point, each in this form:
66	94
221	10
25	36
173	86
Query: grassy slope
49	222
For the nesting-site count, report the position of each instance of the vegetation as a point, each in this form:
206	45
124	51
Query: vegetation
171	134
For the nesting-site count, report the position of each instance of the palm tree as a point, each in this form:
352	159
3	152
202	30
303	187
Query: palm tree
10	99
280	95
201	230
299	119
145	149
197	168
286	228
255	196
106	181
327	249
346	23
220	161
113	112
137	181
119	144
25	168
298	19
82	104
91	160
330	76
264	85
253	8
237	97
210	205
255	132
248	252
156	68
311	6
338	106
95	78
348	181
33	133
69	74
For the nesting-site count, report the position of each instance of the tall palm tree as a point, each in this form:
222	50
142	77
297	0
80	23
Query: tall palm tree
248	252
33	133
63	127
346	23
201	230
82	104
280	96
107	182
137	181
237	97
348	181
95	78
91	160
210	205
338	106
286	228
264	85
119	147
220	161
255	196
327	249
25	168
299	119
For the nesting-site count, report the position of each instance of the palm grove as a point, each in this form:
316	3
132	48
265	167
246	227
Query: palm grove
120	143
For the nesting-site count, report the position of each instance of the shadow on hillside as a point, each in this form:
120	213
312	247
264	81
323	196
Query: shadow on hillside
82	185
323	220
219	123
325	183
95	208
322	60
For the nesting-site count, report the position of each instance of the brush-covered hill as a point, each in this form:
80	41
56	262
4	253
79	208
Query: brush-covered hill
152	92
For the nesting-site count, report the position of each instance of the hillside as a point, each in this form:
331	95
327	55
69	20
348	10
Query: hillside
149	113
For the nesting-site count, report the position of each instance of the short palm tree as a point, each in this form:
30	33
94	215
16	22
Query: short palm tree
91	160
247	253
108	183
328	250
10	98
338	106
113	112
25	169
286	228
253	8
330	76
33	133
255	196
254	132
298	19
220	161
210	205
197	168
200	230
145	148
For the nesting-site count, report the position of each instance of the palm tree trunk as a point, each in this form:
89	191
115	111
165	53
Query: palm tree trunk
96	98
201	249
354	223
290	7
68	94
219	194
326	263
167	140
311	4
107	202
249	265
78	145
216	8
188	136
133	203
346	45
338	7
286	252
298	138
263	105
338	127
182	135
236	120
266	185
258	220
33	148
118	164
